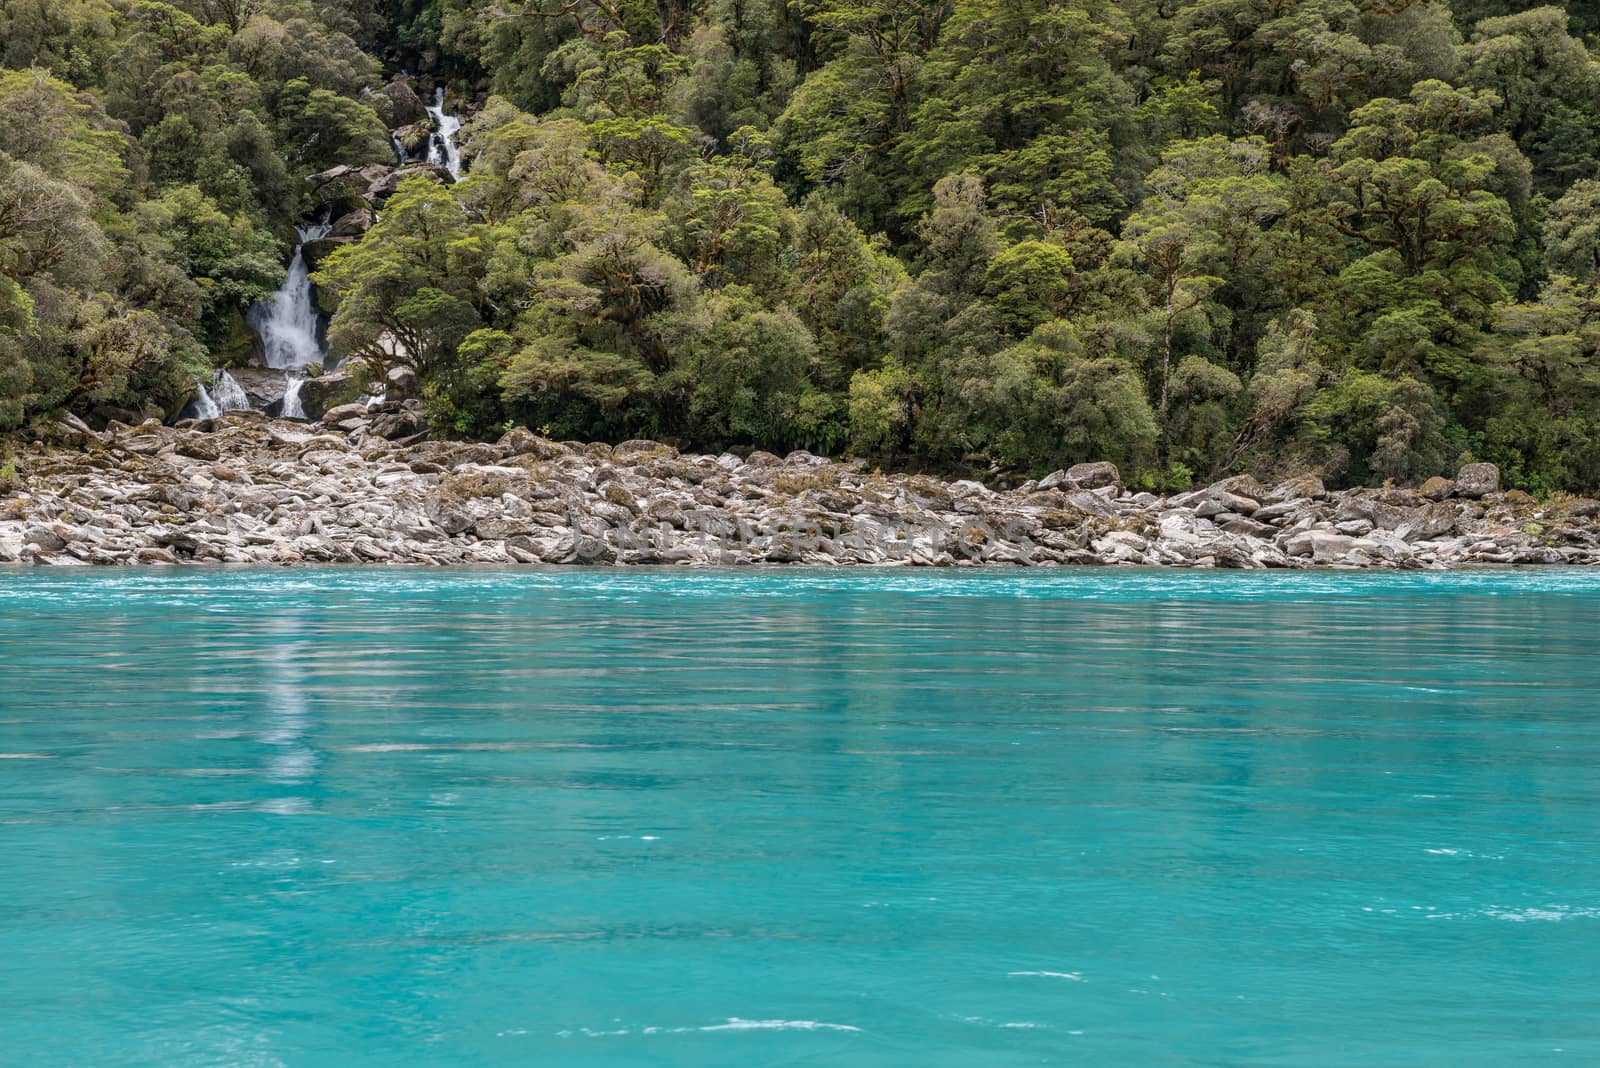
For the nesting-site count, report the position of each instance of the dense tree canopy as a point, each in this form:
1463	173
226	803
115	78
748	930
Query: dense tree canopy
1193	236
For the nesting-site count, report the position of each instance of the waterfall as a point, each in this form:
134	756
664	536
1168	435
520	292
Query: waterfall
224	394
442	146
287	321
292	408
230	395
205	407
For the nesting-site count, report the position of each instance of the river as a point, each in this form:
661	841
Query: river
340	817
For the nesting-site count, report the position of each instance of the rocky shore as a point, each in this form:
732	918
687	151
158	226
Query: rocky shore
366	487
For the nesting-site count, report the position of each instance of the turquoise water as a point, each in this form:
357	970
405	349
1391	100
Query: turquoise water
798	818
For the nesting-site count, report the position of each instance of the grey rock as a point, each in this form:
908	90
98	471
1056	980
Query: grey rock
1328	548
249	489
1478	480
401	379
50	539
1308	487
397	104
1437	489
1271	512
1301	544
352	224
1095	475
1234	502
1238	524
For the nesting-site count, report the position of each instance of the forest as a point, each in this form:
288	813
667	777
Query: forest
1193	237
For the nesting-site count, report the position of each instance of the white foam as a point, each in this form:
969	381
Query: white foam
733	1023
1551	914
736	1024
1076	977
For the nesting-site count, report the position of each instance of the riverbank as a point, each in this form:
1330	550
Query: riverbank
246	489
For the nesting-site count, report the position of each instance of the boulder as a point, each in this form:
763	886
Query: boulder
1095	475
397	422
401	380
1295	509
329	390
263	385
1365	506
343	189
414	140
1422	523
333	174
50	539
1308	486
1238	524
1438	489
1478	480
1329	548
70	430
383	187
340	413
397	105
1056	480
320	249
518	441
1242	486
640	449
1300	543
1431	521
352	224
1234	502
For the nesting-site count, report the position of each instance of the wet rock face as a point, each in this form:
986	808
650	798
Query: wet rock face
366	485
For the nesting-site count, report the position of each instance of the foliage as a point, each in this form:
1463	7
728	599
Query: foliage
1192	237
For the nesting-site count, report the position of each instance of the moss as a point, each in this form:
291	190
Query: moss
238	343
792	485
476	486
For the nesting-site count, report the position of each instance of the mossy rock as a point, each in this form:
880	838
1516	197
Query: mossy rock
240	345
330	389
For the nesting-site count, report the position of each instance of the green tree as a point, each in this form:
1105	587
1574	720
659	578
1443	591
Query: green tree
404	295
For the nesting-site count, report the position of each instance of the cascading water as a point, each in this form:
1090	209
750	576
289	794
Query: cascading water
442	148
288	322
224	394
292	408
230	395
205	406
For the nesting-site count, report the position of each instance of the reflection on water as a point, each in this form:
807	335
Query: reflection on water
799	817
293	760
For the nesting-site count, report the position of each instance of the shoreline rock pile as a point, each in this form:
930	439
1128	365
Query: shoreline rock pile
367	487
